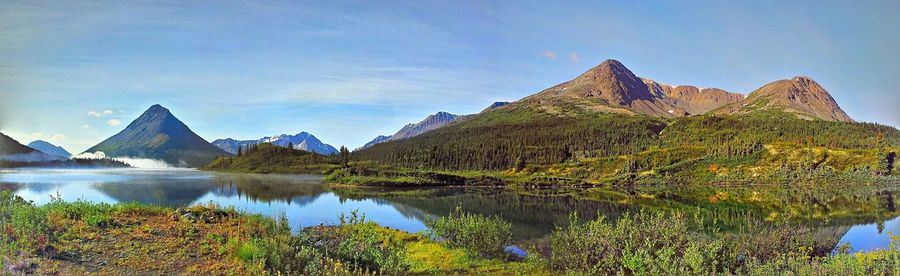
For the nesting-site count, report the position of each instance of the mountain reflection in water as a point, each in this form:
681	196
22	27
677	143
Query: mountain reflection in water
306	201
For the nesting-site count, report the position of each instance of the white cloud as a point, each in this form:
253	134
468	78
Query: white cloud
549	55
113	122
86	126
53	137
96	114
574	57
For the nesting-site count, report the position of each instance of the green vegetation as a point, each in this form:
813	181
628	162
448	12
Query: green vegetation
664	244
529	146
81	237
485	236
495	140
269	158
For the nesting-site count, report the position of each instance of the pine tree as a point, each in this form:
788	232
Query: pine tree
345	156
240	151
291	146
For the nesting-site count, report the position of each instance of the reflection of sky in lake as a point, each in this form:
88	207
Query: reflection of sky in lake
307	202
324	209
185	187
868	237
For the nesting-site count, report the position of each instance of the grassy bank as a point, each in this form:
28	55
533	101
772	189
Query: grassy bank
80	237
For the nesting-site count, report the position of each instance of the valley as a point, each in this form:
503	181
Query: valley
607	154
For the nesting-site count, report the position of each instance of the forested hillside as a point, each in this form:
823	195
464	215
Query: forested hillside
604	146
497	139
269	158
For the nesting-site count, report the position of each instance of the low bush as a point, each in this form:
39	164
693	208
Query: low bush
484	236
669	243
644	243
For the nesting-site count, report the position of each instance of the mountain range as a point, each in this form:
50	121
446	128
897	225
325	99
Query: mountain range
430	123
301	141
50	149
157	134
610	111
612	88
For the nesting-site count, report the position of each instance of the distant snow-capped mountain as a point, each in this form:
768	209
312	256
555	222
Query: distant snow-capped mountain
430	123
301	141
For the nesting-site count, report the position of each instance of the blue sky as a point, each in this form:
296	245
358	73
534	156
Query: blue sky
350	71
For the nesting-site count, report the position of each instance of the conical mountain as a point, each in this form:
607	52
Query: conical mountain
610	85
800	95
157	134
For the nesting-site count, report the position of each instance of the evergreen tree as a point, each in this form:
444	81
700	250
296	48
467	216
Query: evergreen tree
345	156
240	151
291	145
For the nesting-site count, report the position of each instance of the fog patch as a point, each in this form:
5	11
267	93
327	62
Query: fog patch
35	156
141	163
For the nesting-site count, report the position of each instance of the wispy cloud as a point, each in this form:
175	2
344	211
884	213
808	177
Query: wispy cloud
86	126
113	122
574	57
550	55
51	137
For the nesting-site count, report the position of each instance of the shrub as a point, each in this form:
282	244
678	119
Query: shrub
359	243
23	226
485	236
654	243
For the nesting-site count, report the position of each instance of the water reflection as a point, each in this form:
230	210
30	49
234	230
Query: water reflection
305	201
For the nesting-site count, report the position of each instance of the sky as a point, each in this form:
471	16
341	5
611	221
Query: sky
76	72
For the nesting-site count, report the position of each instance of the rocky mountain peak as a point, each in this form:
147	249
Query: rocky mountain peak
801	95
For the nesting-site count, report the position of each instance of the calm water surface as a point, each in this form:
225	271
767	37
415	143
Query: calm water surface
306	201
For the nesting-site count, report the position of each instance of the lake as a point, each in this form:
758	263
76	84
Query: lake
306	201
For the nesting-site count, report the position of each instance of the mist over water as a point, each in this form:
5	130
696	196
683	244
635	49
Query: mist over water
141	163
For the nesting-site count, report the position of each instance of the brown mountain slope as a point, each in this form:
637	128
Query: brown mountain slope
699	101
611	87
799	95
692	99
